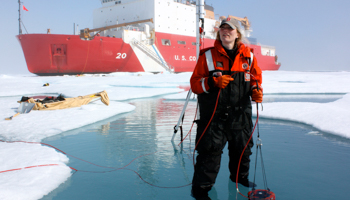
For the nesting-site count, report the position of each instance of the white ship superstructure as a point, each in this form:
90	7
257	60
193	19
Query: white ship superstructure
169	16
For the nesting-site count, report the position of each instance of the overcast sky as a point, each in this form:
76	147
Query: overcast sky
309	35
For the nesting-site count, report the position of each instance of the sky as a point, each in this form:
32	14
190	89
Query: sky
35	182
308	35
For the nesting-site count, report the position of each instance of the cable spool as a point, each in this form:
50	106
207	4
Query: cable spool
261	194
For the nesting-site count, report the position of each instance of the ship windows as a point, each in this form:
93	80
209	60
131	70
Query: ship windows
181	42
118	2
194	43
166	42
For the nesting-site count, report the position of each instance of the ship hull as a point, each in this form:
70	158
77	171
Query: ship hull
50	54
57	54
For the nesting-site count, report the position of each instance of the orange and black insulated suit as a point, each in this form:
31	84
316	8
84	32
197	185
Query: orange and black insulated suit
232	121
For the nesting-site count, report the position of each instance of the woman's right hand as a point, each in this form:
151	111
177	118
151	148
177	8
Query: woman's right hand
222	81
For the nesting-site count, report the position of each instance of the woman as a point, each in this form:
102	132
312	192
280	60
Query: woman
229	70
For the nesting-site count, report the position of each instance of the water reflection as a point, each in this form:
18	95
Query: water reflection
105	128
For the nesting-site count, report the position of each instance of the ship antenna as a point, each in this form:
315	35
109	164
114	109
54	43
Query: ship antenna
200	23
19	18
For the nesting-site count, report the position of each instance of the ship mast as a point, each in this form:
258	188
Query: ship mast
200	23
19	18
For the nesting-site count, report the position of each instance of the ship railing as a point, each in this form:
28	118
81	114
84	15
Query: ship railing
154	55
267	47
134	28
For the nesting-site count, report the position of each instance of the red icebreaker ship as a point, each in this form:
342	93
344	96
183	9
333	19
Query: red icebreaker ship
133	36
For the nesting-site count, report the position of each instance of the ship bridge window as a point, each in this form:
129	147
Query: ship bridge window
166	42
181	42
118	2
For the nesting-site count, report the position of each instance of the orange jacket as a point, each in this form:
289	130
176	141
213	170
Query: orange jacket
200	79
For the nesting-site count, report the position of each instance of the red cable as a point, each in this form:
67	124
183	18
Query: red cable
114	169
190	129
45	165
217	101
156	185
240	159
10	170
59	151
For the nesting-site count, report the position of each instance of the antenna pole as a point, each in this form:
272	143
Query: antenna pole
199	23
19	18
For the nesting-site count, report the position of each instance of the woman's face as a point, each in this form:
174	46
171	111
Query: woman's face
228	35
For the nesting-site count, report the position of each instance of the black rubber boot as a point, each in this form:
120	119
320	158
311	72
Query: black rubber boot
200	193
243	181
